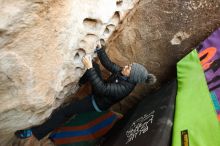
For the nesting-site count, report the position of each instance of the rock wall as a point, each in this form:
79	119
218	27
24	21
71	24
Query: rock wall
41	46
158	33
41	43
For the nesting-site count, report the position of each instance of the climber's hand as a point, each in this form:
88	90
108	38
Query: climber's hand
87	61
98	46
101	44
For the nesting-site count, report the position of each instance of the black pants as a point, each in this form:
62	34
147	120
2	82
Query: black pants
62	114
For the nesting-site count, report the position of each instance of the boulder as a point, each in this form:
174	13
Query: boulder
42	43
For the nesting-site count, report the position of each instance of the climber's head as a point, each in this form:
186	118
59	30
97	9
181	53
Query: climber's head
137	73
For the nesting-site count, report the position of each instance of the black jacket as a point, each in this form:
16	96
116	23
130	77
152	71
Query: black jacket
115	88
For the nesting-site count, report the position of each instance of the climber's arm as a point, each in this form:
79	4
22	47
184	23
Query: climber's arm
106	62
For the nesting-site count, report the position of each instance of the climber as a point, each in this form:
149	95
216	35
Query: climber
104	93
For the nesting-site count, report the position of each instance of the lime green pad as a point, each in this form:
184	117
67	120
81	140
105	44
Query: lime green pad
194	109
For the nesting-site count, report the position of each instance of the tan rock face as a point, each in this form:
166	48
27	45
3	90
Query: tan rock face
41	46
42	42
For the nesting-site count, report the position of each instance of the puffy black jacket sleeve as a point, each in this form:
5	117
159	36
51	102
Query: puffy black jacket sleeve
115	90
106	62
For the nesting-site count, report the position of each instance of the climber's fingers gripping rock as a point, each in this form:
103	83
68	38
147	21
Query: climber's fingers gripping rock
87	61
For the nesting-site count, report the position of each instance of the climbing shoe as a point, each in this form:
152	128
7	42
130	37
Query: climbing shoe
22	134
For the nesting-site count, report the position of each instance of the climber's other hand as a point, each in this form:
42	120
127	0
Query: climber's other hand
101	44
87	61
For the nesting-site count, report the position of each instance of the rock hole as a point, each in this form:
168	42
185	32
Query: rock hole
102	42
111	27
116	18
180	38
91	38
38	1
81	52
79	71
82	44
78	56
107	31
91	23
119	3
2	31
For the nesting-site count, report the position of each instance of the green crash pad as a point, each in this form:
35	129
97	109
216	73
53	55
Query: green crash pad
195	116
